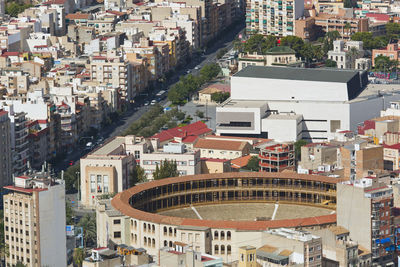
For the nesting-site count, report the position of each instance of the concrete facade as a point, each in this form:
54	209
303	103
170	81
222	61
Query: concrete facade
5	144
34	217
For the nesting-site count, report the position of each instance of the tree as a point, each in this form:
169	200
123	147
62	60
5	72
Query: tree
297	148
69	213
253	164
220	97
88	224
165	169
330	63
14	8
79	256
138	176
392	29
294	42
383	63
199	114
221	52
259	43
347	27
71	178
370	42
210	71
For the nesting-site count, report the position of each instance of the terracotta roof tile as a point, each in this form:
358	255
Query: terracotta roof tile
221	144
240	162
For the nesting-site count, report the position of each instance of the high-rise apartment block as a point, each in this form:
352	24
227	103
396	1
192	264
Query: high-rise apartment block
34	221
5	149
273	17
364	207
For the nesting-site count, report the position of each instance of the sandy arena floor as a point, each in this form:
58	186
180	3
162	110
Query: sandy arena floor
248	211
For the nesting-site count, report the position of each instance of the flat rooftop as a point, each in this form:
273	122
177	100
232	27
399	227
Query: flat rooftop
243	103
285	73
109	147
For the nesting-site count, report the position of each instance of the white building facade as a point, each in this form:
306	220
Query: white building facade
326	99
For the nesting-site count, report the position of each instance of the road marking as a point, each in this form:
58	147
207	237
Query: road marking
195	211
275	210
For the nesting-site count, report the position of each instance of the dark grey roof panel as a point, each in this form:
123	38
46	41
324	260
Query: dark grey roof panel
290	73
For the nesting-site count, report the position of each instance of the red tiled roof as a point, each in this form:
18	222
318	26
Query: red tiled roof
240	162
221	144
10	54
194	129
24	190
377	16
77	16
395	146
121	202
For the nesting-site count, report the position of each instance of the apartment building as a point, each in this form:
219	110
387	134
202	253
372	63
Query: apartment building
5	149
34	221
368	201
305	248
19	140
113	70
276	17
346	25
360	159
276	157
392	51
105	170
338	248
346	53
317	156
149	154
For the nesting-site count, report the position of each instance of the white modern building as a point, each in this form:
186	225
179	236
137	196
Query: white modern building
289	104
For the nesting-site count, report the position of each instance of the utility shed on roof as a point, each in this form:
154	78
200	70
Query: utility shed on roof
297	84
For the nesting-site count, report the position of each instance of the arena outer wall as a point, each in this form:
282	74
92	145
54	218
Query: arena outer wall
144	228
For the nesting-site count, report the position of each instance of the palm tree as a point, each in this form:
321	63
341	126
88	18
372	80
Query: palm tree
353	53
79	256
88	224
347	27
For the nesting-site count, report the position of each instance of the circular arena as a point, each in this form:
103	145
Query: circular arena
217	213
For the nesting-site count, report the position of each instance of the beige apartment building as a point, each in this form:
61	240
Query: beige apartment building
5	149
115	71
305	248
34	222
105	170
360	159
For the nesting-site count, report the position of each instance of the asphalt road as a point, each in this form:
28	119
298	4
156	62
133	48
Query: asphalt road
138	109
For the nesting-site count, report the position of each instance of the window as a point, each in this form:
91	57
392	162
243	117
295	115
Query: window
216	249
92	183
311	259
228	250
137	154
117	221
117	234
228	235
222	235
105	183
335	125
99	184
222	249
